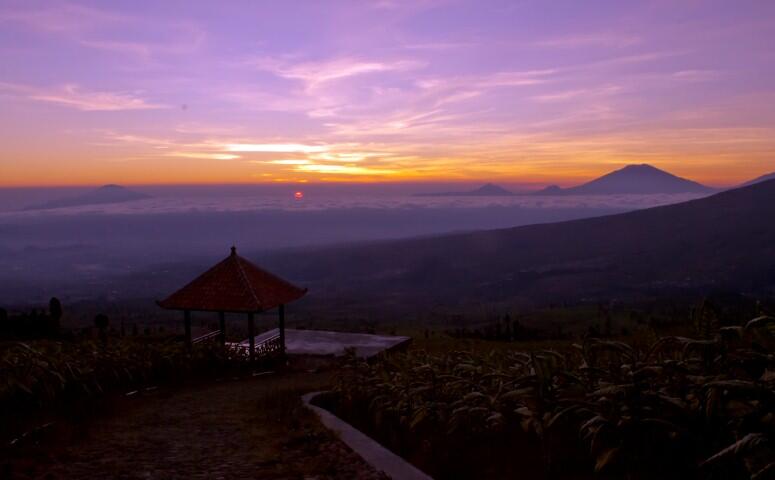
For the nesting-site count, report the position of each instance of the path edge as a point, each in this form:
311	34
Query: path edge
372	452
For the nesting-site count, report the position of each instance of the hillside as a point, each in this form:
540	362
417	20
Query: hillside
634	180
763	178
719	241
103	195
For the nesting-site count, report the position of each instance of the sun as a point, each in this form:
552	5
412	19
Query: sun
298	195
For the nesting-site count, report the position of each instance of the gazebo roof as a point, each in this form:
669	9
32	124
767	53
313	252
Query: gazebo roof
234	285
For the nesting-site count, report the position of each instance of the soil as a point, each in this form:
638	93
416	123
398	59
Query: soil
248	428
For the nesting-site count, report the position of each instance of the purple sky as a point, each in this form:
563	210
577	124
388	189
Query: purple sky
514	91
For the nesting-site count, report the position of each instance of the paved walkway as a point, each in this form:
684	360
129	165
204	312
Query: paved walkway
322	342
255	428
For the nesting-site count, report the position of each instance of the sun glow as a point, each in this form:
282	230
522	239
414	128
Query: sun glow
372	103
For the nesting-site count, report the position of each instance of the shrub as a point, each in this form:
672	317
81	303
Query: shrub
675	408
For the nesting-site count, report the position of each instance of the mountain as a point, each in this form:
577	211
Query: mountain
632	179
486	190
721	241
103	195
763	178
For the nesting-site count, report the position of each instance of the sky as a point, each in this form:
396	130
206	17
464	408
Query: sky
518	91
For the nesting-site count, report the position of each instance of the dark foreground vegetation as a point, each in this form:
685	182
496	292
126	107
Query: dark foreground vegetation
44	376
670	407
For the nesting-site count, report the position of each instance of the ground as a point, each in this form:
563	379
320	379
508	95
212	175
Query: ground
247	428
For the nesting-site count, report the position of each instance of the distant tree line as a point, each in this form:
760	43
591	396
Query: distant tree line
503	329
701	319
42	323
33	324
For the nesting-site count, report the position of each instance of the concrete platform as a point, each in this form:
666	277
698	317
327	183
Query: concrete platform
321	342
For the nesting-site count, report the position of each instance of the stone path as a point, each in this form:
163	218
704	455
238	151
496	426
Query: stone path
255	428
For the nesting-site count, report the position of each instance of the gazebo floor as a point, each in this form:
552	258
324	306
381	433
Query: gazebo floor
325	343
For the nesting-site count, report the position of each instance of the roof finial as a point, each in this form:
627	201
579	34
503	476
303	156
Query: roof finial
233	250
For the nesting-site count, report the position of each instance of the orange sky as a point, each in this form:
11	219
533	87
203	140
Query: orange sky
384	91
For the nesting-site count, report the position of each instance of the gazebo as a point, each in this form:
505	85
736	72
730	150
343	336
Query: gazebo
235	285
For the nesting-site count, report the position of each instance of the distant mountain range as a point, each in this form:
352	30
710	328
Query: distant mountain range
634	180
630	180
103	195
722	241
486	190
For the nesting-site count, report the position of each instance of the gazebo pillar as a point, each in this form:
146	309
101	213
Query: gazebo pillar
281	327
252	336
222	327
187	325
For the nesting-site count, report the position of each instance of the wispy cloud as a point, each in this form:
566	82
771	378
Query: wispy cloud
274	148
74	97
696	75
314	74
63	18
290	161
614	40
343	169
102	29
204	155
584	93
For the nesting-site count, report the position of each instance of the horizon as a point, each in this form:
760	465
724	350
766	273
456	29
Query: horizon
520	185
437	91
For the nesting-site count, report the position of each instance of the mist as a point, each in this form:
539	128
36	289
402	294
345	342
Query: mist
78	252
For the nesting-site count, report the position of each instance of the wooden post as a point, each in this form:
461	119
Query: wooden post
187	324
222	326
252	336
281	313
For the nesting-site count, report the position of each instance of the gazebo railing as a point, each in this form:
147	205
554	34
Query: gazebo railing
270	347
206	337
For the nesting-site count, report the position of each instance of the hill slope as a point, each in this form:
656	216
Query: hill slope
632	179
103	195
763	178
721	241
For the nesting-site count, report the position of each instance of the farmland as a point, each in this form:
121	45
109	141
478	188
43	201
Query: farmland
671	407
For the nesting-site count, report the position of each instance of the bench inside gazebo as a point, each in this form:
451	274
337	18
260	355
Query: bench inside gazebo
236	285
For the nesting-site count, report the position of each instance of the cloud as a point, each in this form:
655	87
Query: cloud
274	147
204	155
293	161
74	97
516	79
65	18
314	74
101	29
343	169
584	93
613	40
696	75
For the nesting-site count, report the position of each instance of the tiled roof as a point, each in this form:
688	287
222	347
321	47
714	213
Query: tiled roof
234	285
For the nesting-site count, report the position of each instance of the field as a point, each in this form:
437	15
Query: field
637	406
671	407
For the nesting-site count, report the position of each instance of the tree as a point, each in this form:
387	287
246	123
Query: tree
55	313
101	321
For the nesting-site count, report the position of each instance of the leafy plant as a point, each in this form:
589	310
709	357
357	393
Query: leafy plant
677	407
